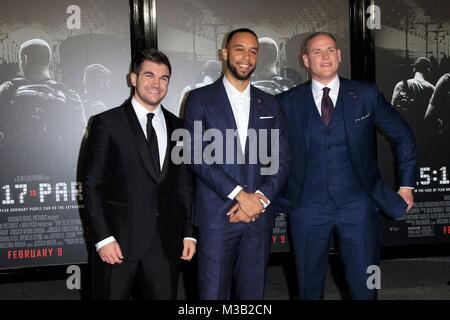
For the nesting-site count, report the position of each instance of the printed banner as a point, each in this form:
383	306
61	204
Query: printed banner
413	72
60	63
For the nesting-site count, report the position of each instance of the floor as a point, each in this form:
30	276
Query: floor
401	279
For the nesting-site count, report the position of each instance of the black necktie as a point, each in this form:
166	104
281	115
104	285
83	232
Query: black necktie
326	106
153	142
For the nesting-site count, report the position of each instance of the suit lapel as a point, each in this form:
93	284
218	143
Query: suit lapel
256	110
311	105
223	102
349	103
140	141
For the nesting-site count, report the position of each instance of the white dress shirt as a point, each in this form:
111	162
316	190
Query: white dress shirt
317	92
240	104
159	124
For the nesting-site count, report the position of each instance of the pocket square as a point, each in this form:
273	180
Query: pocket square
364	117
266	117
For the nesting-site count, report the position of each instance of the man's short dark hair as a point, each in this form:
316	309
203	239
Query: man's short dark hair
306	41
152	55
232	33
422	64
38	54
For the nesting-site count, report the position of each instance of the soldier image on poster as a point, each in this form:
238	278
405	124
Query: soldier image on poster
266	76
36	111
96	80
437	115
210	72
411	98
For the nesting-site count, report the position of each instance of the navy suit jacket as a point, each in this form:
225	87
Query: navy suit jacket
365	109
210	107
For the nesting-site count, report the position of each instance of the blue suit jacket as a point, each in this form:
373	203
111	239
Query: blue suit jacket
365	109
210	107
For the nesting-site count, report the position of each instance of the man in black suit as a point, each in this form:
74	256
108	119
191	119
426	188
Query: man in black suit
138	201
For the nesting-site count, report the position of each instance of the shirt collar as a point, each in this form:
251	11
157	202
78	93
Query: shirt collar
233	92
317	87
141	111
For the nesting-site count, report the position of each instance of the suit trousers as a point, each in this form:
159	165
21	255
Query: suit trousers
154	276
356	225
234	254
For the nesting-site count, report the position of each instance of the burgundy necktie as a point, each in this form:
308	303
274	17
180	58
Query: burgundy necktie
326	106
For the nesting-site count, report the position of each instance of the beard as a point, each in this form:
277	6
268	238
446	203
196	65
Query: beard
238	75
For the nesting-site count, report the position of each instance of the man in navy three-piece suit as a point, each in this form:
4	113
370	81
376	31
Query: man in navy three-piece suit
235	185
334	185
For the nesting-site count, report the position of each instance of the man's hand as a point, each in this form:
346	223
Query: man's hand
407	195
237	215
250	203
111	253
189	248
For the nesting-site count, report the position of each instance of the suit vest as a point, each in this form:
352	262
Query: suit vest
329	174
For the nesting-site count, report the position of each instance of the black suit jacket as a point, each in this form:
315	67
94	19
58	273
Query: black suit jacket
124	196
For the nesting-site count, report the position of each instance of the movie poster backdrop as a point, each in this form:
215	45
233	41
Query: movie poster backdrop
61	62
413	71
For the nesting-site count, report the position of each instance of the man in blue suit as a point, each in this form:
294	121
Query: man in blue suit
235	182
335	185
